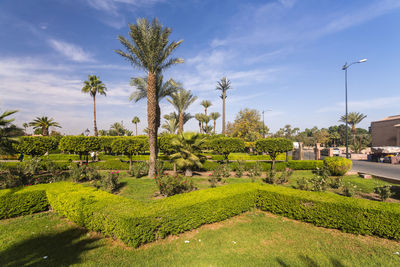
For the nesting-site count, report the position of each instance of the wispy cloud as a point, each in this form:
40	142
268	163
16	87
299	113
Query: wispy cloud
363	105
71	51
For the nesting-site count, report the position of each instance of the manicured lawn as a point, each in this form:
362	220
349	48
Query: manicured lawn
252	239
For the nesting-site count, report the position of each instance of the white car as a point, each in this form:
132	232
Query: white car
336	151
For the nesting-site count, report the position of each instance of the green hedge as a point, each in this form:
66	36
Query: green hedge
16	202
305	164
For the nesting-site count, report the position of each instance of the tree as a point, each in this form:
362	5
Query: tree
226	145
187	154
94	86
25	125
135	121
170	124
36	145
206	104
223	85
129	146
353	118
214	116
247	125
44	123
274	146
181	100
150	50
8	132
199	118
80	144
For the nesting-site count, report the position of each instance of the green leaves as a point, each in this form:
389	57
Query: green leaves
79	144
129	145
274	146
36	145
227	145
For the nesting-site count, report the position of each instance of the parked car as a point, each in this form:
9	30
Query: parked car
335	150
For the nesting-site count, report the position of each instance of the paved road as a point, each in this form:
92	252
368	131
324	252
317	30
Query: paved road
378	169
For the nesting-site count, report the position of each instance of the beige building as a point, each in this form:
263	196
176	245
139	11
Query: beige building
386	132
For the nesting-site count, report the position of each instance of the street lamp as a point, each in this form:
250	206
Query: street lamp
345	67
263	122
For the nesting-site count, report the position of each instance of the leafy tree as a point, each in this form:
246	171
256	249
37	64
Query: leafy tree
8	132
226	145
44	123
274	146
129	146
181	100
223	85
322	136
150	50
214	116
135	121
80	144
187	154
94	86
353	118
36	145
247	125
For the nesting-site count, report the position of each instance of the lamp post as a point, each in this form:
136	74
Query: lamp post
345	67
264	123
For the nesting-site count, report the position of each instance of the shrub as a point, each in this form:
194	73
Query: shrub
305	164
383	192
338	166
84	173
240	168
349	190
36	145
336	182
273	178
318	183
128	145
139	169
226	145
80	144
303	184
172	185
110	181
255	170
274	146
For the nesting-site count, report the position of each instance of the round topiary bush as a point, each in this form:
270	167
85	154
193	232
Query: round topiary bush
338	166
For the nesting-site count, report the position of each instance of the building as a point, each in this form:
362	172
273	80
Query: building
386	132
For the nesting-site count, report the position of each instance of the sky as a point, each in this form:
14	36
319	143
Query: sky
282	56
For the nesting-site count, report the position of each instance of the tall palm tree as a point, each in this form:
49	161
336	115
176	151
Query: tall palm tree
353	118
214	116
223	85
150	50
206	104
181	101
206	120
94	86
162	90
7	132
135	121
44	123
199	118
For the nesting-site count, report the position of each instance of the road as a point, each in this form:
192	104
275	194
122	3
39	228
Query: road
378	169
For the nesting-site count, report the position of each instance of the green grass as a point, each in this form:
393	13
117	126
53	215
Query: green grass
252	239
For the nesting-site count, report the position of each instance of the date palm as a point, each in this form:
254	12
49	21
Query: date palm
44	123
223	85
135	121
149	49
8	132
353	118
199	117
94	86
181	100
214	116
206	104
170	124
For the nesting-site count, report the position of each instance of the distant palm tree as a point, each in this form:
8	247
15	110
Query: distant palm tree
214	116
206	120
353	118
94	86
206	104
117	129
199	118
8	132
171	124
44	123
25	125
223	85
135	121
181	101
150	50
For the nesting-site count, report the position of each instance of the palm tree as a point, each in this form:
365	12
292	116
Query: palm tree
223	85
135	121
181	101
25	125
353	118
117	129
188	151
94	86
199	118
214	116
44	123
7	132
150	50
162	90
206	120
171	124
206	104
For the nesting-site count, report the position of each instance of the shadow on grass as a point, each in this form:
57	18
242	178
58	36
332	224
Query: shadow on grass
309	262
53	249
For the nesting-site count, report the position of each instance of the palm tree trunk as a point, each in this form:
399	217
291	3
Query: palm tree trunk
45	131
94	117
180	123
223	112
136	128
215	124
152	121
205	112
200	126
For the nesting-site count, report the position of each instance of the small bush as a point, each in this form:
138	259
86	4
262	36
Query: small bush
336	182
172	185
141	169
303	184
349	190
84	173
383	192
255	170
337	166
240	168
110	182
271	177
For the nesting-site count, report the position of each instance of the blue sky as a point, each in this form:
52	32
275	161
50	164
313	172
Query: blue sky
283	55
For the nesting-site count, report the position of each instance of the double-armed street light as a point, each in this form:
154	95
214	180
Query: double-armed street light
345	67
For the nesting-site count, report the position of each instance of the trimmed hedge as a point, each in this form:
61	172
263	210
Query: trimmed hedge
338	166
136	223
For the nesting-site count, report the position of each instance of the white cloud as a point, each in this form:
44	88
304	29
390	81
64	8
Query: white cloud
381	103
71	51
